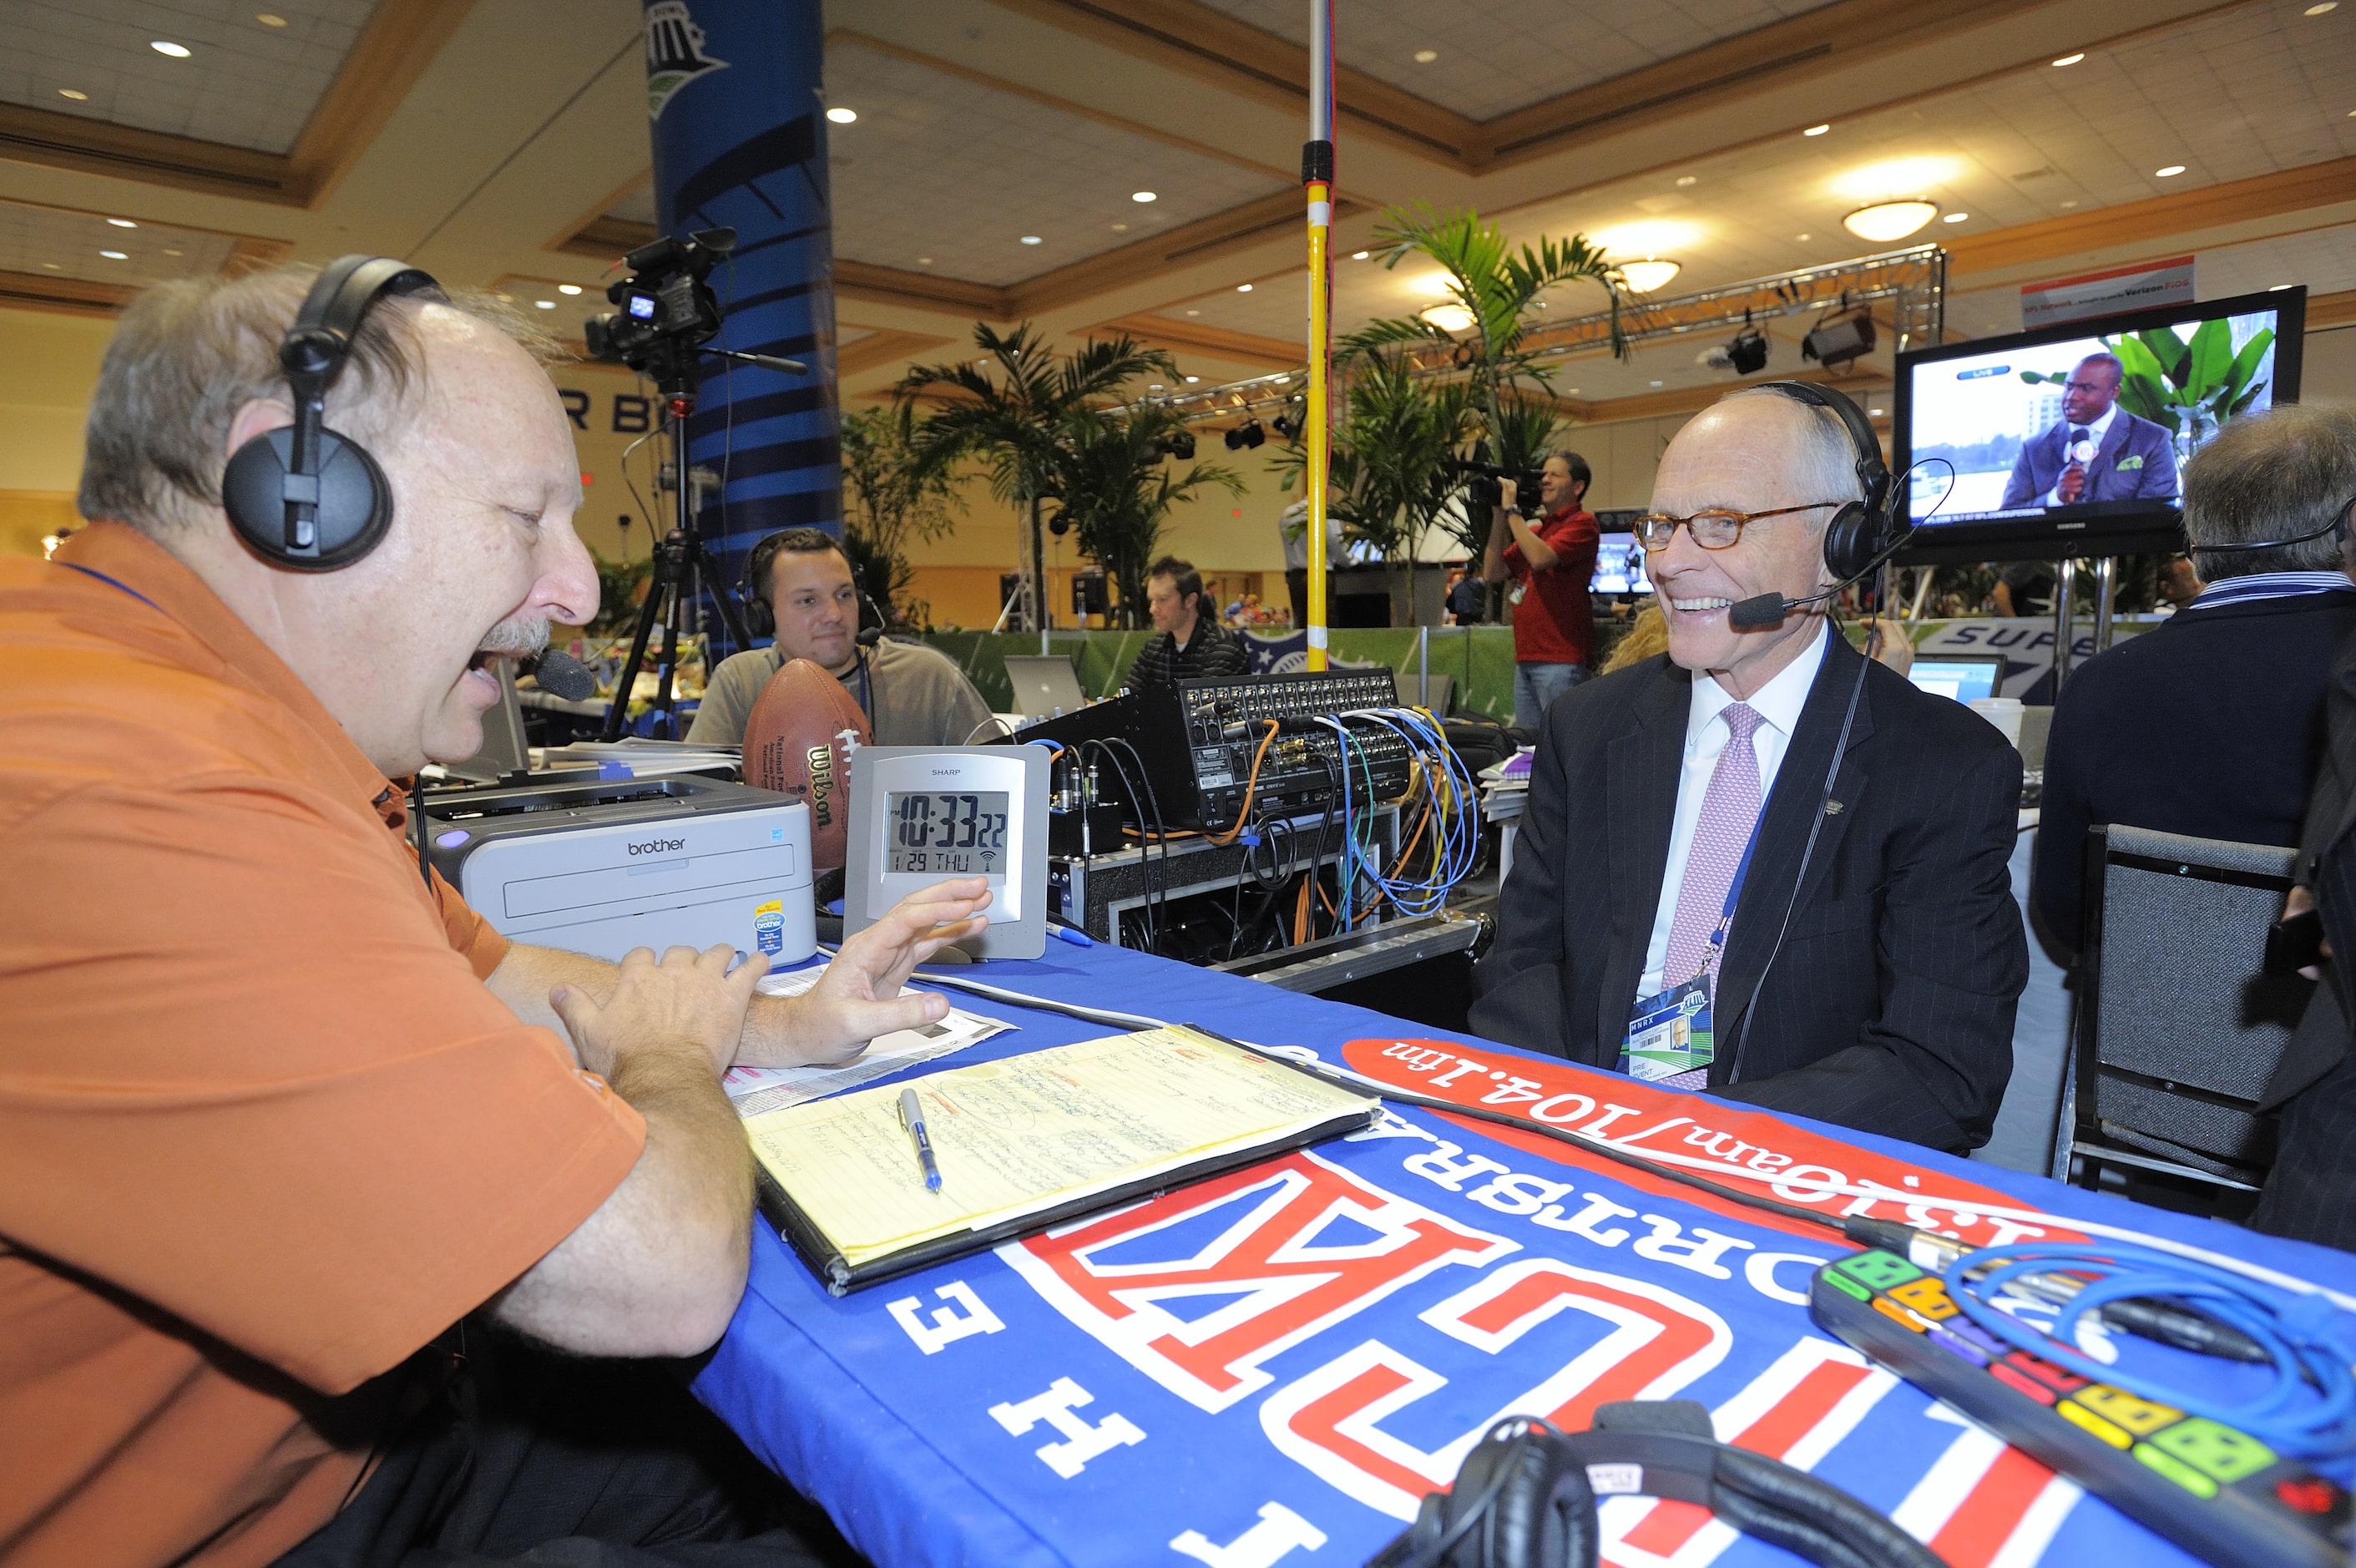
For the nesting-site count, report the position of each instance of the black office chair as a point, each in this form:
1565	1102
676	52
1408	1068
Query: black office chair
2178	1029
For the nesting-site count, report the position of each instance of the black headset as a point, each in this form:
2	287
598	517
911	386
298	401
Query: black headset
761	615
1862	530
1524	1496
303	497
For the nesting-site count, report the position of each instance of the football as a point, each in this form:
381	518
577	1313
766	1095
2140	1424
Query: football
798	740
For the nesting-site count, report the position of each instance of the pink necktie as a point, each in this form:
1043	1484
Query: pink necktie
1729	812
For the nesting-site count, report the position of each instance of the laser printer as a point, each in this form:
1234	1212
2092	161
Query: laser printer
602	866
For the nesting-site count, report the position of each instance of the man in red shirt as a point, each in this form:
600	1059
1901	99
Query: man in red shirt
1552	565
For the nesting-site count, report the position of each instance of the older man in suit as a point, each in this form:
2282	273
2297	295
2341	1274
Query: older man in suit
1658	921
2097	451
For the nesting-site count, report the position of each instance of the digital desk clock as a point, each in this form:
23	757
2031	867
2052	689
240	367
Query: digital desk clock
924	814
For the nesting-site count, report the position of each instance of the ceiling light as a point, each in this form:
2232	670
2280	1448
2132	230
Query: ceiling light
1192	380
1193	313
568	288
924	261
1875	412
52	266
1362	255
2320	10
1153	386
1954	217
1811	130
176	252
1447	317
1145	196
2278	288
78	96
270	19
123	223
1887	220
167	46
842	116
1425	56
504	298
1688	180
1803	239
1243	289
114	255
1657	384
1032	240
2170	172
2068	204
2070	59
1248	434
1644	276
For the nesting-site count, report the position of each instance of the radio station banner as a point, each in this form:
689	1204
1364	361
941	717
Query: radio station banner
2088	295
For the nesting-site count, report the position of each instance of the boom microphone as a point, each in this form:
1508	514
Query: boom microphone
562	675
1765	611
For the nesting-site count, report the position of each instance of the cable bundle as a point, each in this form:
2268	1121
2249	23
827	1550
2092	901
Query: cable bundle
1452	813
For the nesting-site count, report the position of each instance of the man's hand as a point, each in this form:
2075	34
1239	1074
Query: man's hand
858	997
2299	901
1508	493
687	999
2072	484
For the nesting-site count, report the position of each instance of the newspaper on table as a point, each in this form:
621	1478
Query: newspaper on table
756	1089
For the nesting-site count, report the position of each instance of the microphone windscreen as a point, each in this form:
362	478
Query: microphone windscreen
1757	613
562	675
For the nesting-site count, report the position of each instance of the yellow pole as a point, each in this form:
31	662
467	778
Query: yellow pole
1317	178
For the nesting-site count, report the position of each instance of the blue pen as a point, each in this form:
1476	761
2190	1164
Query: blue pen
912	1117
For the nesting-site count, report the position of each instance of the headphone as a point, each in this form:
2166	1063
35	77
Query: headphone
2339	520
1862	531
304	498
1524	1496
761	617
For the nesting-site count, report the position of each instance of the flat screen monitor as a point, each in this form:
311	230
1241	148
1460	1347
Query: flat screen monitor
1619	565
1963	676
2068	441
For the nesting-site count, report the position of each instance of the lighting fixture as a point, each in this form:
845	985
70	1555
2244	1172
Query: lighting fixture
167	46
52	266
1644	276
1803	239
1121	228
1248	434
2070	59
1193	313
1178	443
1153	386
1286	425
2320	9
1243	289
1815	130
1362	255
123	223
568	288
76	93
1145	196
1448	318
1657	384
1954	218
1885	221
1192	380
1845	336
1684	180
114	255
270	19
842	116
924	261
1746	355
1875	412
1425	56
1032	240
544	303
170	252
2278	288
2170	172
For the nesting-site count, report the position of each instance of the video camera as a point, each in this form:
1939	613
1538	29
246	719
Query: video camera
666	309
1481	487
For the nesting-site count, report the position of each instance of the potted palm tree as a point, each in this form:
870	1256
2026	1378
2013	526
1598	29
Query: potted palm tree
1117	482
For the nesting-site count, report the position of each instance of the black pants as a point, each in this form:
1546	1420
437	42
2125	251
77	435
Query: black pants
534	1457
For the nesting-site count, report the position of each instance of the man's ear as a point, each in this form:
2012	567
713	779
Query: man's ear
259	417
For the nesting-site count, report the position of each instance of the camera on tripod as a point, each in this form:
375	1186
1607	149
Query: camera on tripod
664	305
1481	487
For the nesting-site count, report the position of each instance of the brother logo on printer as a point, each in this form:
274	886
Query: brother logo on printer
658	846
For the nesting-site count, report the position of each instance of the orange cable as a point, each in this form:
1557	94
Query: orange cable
1251	784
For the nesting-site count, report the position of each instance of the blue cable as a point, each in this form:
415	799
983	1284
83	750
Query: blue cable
2307	1412
1456	826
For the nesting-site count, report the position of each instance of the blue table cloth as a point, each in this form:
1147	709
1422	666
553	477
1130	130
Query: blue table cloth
1270	1369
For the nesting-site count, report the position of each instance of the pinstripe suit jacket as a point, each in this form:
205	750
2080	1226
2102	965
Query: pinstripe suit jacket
1889	1005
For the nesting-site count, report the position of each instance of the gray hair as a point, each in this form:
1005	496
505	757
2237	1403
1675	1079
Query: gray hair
189	354
1824	466
2277	475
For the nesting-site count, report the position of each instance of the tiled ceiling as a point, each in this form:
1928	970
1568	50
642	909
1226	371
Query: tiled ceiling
1494	56
944	174
243	83
2250	91
47	243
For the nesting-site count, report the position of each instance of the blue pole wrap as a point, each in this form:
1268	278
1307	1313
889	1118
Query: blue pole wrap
733	93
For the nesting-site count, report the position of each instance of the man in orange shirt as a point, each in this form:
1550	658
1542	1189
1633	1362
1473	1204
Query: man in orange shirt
275	1110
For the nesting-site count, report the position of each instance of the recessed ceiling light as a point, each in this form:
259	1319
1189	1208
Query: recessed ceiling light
1954	218
1193	313
924	261
52	266
1145	196
2068	204
2278	288
270	19
114	255
123	223
1032	240
1192	380
1425	56
1574	392
842	116
78	96
504	298
2326	5
1121	228
1657	384
1874	412
1688	180
568	288
1153	386
2170	172
1648	274
544	303
1803	237
167	46
1886	220
1243	289
176	252
1360	256
1814	131
2070	59
1448	318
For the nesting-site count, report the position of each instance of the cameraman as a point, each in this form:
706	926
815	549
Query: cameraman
1551	564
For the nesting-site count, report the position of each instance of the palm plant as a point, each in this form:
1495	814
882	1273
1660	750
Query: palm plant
889	502
1014	411
1117	492
1393	472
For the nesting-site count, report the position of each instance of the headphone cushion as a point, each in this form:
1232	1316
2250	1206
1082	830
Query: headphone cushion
354	501
1851	540
1544	1516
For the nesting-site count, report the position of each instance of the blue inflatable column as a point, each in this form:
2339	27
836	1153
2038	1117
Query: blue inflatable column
733	95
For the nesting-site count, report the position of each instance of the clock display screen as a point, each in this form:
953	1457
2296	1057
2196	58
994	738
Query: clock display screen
961	835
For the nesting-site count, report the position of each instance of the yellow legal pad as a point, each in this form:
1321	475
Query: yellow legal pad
1025	1142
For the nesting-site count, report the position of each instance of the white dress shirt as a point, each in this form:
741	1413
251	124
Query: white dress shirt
1778	704
2094	432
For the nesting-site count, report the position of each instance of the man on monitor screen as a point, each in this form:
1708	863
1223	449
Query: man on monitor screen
2097	451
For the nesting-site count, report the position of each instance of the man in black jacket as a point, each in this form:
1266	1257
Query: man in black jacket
1881	995
1193	643
2213	724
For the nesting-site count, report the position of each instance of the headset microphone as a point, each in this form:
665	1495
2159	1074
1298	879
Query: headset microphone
562	675
1768	610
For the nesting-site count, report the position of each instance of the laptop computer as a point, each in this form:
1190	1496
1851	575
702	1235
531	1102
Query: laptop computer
1045	684
1963	676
